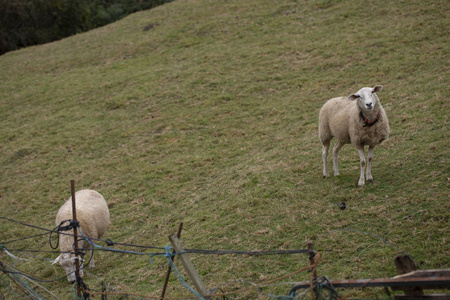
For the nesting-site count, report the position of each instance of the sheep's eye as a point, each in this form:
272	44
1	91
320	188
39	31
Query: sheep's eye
359	96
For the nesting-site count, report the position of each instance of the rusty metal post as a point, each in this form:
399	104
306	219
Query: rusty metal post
166	281
312	262
75	238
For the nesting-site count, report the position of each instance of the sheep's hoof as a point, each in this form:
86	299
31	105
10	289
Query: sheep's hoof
370	181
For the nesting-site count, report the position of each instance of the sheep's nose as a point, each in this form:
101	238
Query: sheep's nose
369	105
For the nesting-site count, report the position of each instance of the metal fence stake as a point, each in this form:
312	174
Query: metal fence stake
75	238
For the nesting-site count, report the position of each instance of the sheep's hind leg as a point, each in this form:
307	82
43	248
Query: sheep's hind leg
362	161
91	263
369	164
325	147
336	149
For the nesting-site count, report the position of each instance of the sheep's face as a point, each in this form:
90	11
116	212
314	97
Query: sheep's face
67	261
366	97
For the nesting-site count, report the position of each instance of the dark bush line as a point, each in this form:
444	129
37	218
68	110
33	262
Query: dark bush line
25	23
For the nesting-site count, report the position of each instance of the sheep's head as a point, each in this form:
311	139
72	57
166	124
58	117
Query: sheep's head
67	261
367	99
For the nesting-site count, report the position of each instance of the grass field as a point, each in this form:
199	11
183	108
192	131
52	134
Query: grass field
209	116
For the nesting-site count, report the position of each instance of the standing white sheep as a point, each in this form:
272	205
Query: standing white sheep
360	123
93	217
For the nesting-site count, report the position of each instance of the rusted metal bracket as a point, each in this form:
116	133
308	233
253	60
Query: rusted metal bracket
426	282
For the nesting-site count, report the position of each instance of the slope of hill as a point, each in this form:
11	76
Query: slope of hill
206	112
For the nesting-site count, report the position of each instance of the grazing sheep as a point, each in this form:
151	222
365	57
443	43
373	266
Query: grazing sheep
361	123
93	217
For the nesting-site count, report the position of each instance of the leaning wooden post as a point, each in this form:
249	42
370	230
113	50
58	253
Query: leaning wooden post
188	266
75	238
166	281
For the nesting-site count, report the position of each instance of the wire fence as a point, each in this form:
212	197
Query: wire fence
17	283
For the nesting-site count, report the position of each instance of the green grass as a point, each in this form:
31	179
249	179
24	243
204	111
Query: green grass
210	118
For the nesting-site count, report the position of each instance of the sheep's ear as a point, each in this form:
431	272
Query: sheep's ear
352	97
377	88
57	260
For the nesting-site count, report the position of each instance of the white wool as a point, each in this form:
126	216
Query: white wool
93	217
360	123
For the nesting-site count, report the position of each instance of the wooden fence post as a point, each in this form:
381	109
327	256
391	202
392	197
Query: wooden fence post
166	281
405	264
188	266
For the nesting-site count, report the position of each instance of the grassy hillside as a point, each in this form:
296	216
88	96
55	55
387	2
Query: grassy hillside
209	116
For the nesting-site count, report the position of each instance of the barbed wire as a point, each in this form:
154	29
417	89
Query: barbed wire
373	235
8	269
107	241
250	253
14	273
111	243
193	251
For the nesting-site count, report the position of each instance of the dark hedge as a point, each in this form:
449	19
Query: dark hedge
31	22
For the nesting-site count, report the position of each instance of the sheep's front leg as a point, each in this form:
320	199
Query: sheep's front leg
336	149
362	162
369	164
324	158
